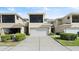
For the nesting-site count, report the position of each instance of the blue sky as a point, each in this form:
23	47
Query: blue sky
51	12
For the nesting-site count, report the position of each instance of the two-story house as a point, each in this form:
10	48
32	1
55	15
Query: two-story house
68	23
11	23
38	25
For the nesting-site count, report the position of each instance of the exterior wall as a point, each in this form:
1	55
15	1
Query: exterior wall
7	25
22	30
62	27
66	23
66	20
19	20
75	25
11	25
35	25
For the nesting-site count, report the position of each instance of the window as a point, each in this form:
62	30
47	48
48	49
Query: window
8	18
36	18
75	18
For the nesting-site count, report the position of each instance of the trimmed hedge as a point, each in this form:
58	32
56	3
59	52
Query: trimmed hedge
5	38
20	36
10	37
58	33
68	36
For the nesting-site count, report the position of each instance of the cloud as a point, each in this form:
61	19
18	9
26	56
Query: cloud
11	9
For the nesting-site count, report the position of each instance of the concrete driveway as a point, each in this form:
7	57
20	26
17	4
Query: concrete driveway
35	43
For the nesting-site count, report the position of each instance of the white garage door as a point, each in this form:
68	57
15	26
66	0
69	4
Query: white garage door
71	30
39	32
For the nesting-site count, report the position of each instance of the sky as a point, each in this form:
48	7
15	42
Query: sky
51	12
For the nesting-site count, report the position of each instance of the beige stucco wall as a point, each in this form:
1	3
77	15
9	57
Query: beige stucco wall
35	25
6	25
22	29
62	27
75	25
19	20
67	21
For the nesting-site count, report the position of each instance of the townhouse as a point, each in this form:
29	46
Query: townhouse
67	24
38	24
11	23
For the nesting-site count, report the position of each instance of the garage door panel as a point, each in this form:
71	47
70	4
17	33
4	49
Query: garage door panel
38	32
71	30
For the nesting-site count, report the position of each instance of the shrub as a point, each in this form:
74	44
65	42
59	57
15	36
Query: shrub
5	38
68	36
20	36
57	33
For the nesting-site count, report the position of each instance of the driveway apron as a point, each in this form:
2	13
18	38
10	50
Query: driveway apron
39	43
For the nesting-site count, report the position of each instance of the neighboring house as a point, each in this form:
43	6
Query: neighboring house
68	24
12	23
38	24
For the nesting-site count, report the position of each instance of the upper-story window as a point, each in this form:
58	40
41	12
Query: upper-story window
8	18
75	18
36	18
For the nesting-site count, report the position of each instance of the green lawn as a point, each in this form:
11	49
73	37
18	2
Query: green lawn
9	43
66	42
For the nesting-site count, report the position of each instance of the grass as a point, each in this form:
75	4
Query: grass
66	42
9	43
